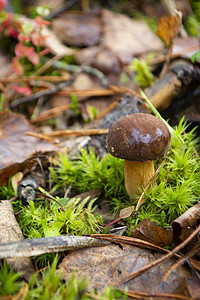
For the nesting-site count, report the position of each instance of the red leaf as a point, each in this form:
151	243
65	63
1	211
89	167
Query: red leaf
40	21
23	38
32	55
29	52
26	91
19	50
3	4
17	67
38	39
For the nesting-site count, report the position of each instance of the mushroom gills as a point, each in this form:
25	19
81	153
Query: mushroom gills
137	174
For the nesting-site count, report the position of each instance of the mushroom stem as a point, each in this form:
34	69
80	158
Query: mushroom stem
137	174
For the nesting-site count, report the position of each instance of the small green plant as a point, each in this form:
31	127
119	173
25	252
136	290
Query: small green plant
195	56
9	280
7	191
2	101
142	74
74	105
192	26
51	286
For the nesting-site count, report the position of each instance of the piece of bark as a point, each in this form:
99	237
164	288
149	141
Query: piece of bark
163	91
186	223
11	232
38	246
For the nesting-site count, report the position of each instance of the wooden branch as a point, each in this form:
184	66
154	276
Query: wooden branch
67	133
33	247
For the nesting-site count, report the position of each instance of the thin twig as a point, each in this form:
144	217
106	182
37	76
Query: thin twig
106	110
54	89
160	260
68	133
142	295
181	261
50	63
43	93
12	79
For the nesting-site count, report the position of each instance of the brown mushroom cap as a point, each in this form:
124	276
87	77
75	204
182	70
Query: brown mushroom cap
138	137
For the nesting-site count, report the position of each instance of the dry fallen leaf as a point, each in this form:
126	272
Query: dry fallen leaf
151	232
105	266
78	29
168	27
125	37
15	146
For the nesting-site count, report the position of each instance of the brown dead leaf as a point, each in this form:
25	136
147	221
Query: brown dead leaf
151	232
168	27
105	60
15	146
125	37
78	29
106	266
185	47
9	171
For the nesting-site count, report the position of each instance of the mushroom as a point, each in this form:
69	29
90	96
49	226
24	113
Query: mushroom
139	139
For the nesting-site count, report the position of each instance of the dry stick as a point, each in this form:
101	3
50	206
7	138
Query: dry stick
123	90
49	63
158	261
130	241
143	295
53	90
12	79
50	114
68	133
181	261
33	247
86	93
140	201
78	132
44	93
106	110
41	136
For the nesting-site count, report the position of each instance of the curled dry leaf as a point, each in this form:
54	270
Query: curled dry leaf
168	27
184	225
151	232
